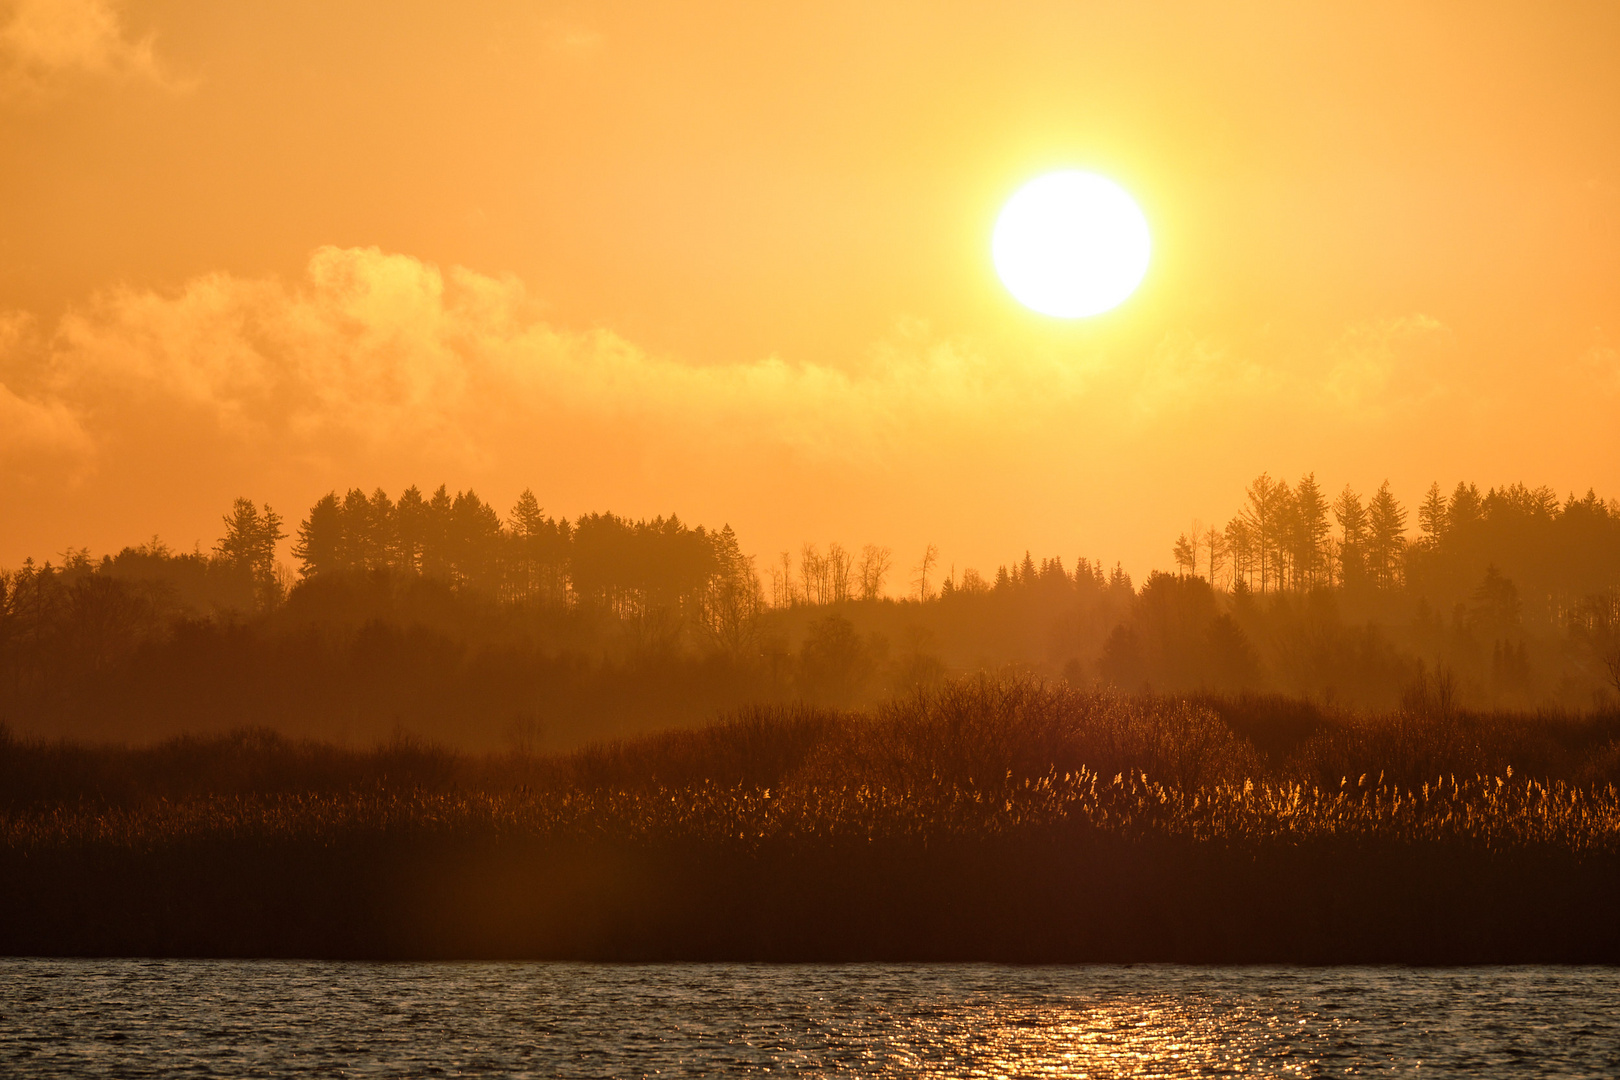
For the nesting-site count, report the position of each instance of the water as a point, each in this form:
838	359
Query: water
130	1018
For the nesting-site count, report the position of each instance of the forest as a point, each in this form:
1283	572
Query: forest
433	615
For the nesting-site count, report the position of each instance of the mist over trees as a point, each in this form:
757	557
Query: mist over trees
436	614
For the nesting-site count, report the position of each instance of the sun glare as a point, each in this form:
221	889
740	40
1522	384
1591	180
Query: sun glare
1071	244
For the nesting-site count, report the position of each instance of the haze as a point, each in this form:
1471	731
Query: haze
732	261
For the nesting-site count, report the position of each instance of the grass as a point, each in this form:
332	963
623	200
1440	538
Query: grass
988	820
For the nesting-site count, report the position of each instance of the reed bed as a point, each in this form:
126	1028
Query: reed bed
1490	814
988	820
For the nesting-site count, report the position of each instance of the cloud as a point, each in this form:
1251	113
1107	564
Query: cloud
1390	364
38	432
40	436
383	354
44	40
378	358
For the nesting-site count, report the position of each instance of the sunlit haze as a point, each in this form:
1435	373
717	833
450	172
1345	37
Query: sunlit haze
734	262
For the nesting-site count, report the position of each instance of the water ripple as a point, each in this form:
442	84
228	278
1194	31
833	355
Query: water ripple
132	1018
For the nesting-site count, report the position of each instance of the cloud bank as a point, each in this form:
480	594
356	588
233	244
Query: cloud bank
149	407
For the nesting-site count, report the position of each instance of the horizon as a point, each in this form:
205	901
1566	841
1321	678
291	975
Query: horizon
895	586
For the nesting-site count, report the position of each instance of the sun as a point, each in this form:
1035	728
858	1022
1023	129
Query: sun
1071	244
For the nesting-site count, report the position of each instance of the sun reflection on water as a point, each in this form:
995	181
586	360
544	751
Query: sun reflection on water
163	1018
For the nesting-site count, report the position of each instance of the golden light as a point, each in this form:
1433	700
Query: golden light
1071	244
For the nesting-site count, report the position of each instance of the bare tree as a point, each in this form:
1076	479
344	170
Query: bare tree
873	569
922	570
782	592
813	572
838	566
1215	547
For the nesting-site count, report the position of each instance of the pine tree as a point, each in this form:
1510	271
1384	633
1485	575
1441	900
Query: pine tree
410	523
1262	516
733	598
1240	546
475	535
1466	507
248	548
1186	558
1432	516
357	540
380	536
1310	531
320	538
437	560
1386	528
526	529
1352	519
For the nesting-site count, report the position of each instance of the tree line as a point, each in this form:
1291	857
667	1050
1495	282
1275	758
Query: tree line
1296	539
437	612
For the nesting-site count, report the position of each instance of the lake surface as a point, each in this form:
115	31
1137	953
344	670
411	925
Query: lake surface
79	1018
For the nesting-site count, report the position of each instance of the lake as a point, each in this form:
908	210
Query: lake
134	1018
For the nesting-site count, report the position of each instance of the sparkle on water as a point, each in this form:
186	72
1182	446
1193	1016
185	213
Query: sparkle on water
138	1018
1071	244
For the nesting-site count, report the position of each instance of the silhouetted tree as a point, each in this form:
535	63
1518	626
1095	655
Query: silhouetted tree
1186	556
1310	533
438	554
1268	514
320	538
874	567
248	548
1240	545
733	600
410	531
813	572
1352	519
839	567
1466	507
922	570
1216	548
1433	517
1386	536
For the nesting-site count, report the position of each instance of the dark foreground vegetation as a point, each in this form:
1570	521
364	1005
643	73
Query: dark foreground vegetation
1010	820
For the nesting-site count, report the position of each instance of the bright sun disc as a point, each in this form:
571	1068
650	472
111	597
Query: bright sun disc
1071	244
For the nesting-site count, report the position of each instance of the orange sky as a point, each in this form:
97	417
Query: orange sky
731	260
